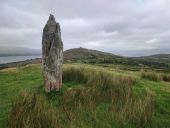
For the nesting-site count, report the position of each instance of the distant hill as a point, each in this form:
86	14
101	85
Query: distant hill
84	54
139	53
76	54
165	58
18	51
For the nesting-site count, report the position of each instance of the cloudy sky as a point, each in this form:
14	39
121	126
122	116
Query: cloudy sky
117	26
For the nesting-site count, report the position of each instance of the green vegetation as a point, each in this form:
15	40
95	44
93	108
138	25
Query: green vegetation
92	96
81	55
30	110
155	76
165	77
12	81
151	75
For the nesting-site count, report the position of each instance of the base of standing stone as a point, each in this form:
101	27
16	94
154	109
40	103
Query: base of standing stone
53	86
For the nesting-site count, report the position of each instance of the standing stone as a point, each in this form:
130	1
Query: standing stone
52	55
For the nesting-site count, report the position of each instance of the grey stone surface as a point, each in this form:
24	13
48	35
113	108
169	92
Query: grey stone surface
52	55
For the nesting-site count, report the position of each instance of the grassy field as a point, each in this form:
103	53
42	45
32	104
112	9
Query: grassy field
92	96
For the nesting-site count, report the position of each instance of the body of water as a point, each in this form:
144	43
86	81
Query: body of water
10	59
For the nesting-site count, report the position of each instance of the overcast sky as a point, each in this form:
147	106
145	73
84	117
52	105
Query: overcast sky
108	25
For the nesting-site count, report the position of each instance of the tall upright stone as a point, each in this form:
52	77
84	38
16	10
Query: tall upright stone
52	55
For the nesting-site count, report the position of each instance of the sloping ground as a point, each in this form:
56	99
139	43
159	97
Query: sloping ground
72	107
83	53
165	58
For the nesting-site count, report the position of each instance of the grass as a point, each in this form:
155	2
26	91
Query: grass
165	77
32	111
155	76
108	98
11	82
151	75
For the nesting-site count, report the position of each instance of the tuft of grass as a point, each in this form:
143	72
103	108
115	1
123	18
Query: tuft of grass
137	111
166	77
151	75
155	76
75	74
30	110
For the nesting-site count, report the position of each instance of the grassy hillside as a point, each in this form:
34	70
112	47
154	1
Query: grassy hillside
83	55
79	54
92	96
165	58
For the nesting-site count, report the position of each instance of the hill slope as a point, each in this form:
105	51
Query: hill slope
83	53
161	61
165	58
90	97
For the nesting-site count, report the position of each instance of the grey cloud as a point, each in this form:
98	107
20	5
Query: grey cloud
108	25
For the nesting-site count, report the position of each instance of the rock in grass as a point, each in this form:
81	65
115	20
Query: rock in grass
52	55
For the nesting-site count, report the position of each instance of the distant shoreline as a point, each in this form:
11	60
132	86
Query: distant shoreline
20	63
20	55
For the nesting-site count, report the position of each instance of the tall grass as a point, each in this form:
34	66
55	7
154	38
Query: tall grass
155	76
116	90
166	77
103	100
138	111
151	75
30	110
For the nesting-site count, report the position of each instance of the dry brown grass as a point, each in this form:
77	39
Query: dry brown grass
151	75
166	77
155	76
